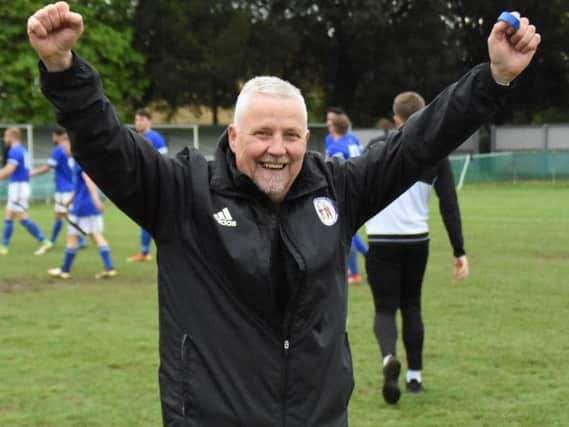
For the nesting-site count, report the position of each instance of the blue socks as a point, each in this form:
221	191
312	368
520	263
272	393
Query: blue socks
70	254
31	226
57	225
68	259
106	257
145	239
8	230
33	229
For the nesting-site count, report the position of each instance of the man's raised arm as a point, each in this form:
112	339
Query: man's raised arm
130	172
435	131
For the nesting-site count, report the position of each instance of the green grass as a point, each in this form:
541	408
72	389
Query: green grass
84	352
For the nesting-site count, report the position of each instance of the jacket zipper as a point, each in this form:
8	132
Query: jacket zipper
288	319
184	362
286	347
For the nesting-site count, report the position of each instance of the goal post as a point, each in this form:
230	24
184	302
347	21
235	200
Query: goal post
181	131
463	173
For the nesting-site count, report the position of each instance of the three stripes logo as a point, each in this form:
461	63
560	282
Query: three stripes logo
223	217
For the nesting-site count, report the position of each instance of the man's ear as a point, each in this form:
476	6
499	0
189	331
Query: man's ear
398	121
232	137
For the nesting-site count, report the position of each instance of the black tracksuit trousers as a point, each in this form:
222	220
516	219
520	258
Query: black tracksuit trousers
395	273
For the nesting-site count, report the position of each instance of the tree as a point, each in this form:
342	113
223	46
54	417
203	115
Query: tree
194	51
403	47
359	53
106	43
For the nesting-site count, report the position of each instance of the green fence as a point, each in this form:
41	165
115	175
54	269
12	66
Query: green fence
511	166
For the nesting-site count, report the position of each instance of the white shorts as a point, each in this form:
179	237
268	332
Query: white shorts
89	224
60	200
18	196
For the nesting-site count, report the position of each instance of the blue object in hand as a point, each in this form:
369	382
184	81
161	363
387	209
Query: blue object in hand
510	19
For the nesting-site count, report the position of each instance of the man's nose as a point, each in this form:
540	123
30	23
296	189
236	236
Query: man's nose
277	146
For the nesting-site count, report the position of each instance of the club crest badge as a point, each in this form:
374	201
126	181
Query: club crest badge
326	210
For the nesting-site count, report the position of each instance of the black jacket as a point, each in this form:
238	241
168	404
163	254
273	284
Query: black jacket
225	252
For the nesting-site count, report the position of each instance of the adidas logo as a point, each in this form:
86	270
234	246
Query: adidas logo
224	218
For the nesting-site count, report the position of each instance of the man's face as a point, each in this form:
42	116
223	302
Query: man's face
57	139
329	118
8	138
270	143
142	124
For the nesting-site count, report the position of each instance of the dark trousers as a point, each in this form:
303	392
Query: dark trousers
395	273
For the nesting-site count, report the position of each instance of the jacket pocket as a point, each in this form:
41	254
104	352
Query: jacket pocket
186	374
348	365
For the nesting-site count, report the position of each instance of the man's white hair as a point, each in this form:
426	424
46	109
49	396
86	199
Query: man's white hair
268	86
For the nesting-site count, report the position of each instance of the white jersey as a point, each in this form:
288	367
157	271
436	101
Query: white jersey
406	219
407	215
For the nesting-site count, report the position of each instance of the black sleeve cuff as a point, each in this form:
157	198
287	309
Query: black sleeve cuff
72	89
458	252
488	80
62	79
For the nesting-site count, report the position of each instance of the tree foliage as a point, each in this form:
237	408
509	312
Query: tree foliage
194	50
543	89
106	44
354	53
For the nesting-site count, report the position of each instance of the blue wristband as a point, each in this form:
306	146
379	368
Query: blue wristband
510	19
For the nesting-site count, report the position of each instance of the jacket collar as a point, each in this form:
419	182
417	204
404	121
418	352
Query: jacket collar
228	180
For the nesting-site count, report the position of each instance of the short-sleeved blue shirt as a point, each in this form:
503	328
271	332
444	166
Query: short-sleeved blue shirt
18	155
346	146
62	165
83	204
157	141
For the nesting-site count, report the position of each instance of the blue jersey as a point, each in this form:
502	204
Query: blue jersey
157	141
328	141
62	165
346	147
83	204
18	155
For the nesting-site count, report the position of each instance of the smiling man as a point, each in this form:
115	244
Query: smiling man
269	134
253	245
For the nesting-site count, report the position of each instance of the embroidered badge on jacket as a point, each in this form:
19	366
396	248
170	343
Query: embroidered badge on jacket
326	210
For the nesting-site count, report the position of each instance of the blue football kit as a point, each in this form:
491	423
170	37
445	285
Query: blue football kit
18	155
83	204
346	146
157	141
160	145
62	166
18	195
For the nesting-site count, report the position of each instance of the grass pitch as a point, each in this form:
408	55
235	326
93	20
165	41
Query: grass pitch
83	352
